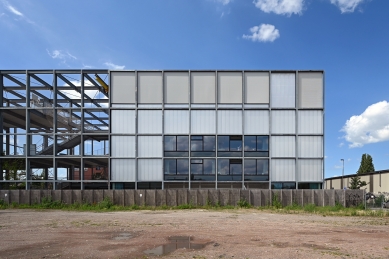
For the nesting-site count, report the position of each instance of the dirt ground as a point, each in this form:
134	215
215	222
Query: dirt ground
247	233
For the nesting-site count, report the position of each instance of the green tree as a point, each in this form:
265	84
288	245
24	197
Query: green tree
367	165
356	183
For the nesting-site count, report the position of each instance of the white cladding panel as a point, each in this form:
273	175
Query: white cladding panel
310	122
310	170
176	87
283	122
123	87
203	87
176	122
229	122
149	87
310	90
283	90
149	146
123	170
283	170
150	121
230	87
123	121
257	87
203	122
310	146
256	122
123	146
150	170
283	146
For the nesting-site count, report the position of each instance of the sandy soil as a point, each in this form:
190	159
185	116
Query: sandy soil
224	234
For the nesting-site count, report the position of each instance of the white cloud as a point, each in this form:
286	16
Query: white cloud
371	126
10	8
61	55
346	6
224	2
263	33
341	144
113	66
285	7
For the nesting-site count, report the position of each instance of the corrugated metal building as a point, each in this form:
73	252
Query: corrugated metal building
164	129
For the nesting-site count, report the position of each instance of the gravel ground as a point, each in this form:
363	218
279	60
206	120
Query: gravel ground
243	233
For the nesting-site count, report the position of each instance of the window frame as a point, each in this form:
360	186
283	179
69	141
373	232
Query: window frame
168	176
175	152
256	176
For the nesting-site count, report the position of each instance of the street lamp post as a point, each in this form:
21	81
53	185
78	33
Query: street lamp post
342	171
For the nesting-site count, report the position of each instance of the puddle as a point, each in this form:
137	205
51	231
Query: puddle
175	242
122	236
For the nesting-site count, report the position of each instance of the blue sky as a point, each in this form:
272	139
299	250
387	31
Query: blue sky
349	39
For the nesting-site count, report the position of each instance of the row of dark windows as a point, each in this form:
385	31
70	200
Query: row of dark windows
227	146
227	169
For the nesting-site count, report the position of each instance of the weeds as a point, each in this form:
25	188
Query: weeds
242	203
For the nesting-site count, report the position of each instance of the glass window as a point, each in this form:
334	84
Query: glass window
229	169
182	166
256	146
202	146
176	146
209	143
262	143
250	167
182	143
256	170
283	185
250	143
230	146
202	169
176	169
170	143
223	143
170	166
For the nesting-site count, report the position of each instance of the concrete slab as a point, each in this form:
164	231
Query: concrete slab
354	197
56	195
171	198
340	197
287	197
213	197
234	197
266	197
24	197
245	195
202	197
4	195
66	196
14	196
108	194
255	197
182	197
150	198
140	197
77	196
46	194
118	197
98	196
224	197
308	197
87	196
329	197
160	199
297	197
35	196
129	197
192	197
318	197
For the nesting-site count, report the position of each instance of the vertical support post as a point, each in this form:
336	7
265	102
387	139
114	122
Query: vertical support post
1	123
28	133
82	152
55	130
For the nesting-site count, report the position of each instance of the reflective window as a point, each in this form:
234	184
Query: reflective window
283	185
229	169
229	146
202	169
256	146
256	170
202	146
176	146
176	169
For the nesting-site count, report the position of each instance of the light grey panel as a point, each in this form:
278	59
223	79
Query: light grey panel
123	170
123	87
176	87
283	170
283	146
310	146
256	122
149	146
310	170
150	121
150	170
257	87
283	90
123	146
203	122
123	121
203	87
229	122
310	122
230	87
310	89
176	122
149	87
283	122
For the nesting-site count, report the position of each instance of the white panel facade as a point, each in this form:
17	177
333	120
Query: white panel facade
310	90
123	146
230	87
283	146
123	87
283	122
150	170
310	122
283	90
176	122
229	122
176	87
203	87
310	170
257	87
149	87
203	122
283	170
123	121
150	121
149	146
123	170
256	122
310	146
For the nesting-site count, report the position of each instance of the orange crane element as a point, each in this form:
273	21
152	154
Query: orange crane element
103	84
